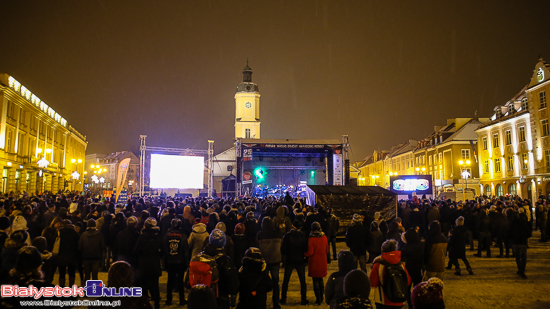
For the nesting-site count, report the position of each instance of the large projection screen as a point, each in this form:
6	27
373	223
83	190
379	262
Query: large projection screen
176	172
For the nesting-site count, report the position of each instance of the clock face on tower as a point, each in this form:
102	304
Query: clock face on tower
248	105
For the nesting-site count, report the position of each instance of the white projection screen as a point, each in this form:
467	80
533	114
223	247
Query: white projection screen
176	172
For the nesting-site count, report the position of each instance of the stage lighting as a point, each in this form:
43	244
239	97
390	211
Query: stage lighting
312	173
259	173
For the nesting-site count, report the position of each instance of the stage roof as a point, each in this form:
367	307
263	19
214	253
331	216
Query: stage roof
291	141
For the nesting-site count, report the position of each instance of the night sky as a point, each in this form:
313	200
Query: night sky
380	71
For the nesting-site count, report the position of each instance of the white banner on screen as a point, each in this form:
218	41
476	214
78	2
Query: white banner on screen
176	172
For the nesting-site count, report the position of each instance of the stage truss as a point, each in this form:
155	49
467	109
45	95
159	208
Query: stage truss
187	152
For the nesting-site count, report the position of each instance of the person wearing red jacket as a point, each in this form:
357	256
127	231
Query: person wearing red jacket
392	256
317	263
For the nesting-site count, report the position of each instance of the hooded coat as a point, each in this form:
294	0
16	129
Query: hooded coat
317	250
435	249
91	244
358	239
281	222
412	253
377	276
148	249
197	237
334	289
269	242
255	283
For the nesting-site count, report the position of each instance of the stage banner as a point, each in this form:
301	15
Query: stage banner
337	172
121	175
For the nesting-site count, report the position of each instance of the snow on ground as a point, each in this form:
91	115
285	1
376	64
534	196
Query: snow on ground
494	284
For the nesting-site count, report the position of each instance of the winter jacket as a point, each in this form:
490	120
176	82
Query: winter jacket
334	226
293	247
457	242
358	239
196	239
281	222
68	246
377	276
334	289
317	250
432	214
521	229
175	247
240	244
148	248
412	253
375	246
228	283
435	249
91	244
255	283
125	243
269	242
251	231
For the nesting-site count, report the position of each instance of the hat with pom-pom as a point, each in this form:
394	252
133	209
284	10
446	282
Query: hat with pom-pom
217	237
428	294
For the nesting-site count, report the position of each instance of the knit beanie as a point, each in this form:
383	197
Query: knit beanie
91	223
221	226
19	223
201	297
131	221
460	221
428	294
357	284
28	258
73	207
239	228
120	275
217	237
357	218
410	236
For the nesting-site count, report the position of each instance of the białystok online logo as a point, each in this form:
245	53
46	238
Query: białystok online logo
93	288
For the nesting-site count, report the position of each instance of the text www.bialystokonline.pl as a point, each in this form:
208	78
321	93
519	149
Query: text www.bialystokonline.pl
69	303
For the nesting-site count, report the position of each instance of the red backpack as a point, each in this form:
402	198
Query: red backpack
204	273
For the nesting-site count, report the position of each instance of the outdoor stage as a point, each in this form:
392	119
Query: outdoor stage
270	167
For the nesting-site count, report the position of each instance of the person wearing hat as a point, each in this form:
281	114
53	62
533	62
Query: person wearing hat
255	281
358	240
68	252
201	297
15	241
317	250
293	247
126	241
240	244
251	229
269	241
457	246
148	249
428	295
49	215
176	250
334	290
356	290
91	246
121	275
227	285
196	239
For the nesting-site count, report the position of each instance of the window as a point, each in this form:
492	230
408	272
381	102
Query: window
247	134
487	166
440	174
485	143
513	190
11	110
508	135
522	134
544	124
497	165
499	190
465	154
440	158
542	99
547	157
430	159
495	140
510	164
524	105
524	160
488	190
9	140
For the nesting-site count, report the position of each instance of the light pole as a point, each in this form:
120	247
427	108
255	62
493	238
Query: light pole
75	175
465	174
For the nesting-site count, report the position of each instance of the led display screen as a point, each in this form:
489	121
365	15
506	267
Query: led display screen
421	184
176	172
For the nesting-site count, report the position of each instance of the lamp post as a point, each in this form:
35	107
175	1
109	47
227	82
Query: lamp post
465	174
75	161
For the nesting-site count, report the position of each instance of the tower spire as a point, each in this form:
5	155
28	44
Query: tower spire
247	73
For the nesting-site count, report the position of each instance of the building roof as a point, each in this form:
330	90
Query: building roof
291	141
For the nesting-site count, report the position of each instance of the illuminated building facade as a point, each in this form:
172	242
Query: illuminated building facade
39	150
514	146
247	107
101	171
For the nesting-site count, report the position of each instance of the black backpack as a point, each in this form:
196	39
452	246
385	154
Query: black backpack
395	285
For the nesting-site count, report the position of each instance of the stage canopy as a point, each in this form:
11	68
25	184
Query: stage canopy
348	200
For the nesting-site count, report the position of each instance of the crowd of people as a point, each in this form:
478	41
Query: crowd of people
231	250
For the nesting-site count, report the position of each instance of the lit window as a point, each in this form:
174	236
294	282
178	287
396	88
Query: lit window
547	157
508	135
465	153
247	133
510	164
522	134
499	190
497	165
542	98
524	105
485	143
544	124
513	190
486	166
524	160
495	140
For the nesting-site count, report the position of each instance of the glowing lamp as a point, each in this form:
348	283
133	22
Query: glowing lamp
73	160
79	160
75	175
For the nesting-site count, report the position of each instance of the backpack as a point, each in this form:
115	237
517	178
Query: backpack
204	271
55	250
395	285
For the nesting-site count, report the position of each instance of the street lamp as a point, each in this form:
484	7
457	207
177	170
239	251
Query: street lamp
465	174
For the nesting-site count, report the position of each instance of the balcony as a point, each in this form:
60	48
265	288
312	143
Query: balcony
542	170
